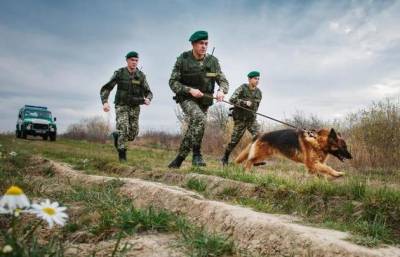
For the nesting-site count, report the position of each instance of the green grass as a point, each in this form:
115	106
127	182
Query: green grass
118	213
371	211
196	184
202	244
114	216
229	192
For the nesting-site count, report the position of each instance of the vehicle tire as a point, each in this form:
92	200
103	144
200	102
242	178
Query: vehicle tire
23	134
53	137
18	134
45	137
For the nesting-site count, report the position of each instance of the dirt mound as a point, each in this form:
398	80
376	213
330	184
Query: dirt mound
213	185
256	233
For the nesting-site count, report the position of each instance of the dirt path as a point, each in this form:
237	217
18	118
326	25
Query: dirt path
253	232
152	245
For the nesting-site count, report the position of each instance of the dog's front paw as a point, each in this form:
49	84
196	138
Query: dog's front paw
339	174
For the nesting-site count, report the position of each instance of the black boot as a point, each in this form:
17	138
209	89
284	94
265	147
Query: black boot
115	136
122	155
225	158
197	159
176	163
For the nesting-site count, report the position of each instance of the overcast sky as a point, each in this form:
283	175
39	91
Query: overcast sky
322	57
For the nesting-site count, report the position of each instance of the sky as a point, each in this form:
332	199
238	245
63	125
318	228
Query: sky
325	58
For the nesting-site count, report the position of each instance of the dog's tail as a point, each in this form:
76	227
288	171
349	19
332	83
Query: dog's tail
244	154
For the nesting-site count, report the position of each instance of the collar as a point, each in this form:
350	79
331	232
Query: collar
251	88
133	72
194	57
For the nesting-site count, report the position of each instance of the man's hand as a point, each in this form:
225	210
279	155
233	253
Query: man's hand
146	101
220	96
196	93
106	107
248	103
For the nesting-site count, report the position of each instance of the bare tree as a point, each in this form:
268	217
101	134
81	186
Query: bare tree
219	116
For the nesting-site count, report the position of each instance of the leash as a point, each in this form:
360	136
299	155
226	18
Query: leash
257	113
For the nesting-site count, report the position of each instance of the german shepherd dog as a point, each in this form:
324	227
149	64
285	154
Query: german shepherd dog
309	147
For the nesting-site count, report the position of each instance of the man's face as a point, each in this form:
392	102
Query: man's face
254	81
200	47
132	62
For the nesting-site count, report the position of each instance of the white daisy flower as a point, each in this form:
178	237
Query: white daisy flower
4	211
50	212
14	198
7	249
13	154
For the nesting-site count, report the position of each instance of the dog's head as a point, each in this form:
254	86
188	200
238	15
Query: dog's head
337	146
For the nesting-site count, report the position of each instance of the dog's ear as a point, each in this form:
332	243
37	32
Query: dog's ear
332	134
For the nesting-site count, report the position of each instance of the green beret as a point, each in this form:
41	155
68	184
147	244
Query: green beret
198	35
132	54
253	74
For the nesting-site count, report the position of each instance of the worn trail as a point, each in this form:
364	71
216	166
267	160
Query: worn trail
258	234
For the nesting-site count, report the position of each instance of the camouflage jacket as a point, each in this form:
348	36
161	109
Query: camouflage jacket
132	88
240	96
191	73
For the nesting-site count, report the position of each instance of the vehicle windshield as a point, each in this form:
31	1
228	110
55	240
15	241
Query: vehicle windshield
37	114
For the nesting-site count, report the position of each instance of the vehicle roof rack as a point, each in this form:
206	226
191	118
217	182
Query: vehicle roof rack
34	106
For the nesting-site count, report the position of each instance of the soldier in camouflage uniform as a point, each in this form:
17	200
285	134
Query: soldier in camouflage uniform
132	91
248	96
193	80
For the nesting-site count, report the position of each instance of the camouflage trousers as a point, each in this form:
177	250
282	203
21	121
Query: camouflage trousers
239	128
127	118
196	116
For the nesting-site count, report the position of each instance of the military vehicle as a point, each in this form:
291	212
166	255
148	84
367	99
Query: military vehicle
36	121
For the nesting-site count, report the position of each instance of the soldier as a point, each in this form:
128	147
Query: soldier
248	96
132	91
193	80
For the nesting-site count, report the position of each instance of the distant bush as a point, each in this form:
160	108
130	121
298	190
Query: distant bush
374	135
311	121
160	139
95	129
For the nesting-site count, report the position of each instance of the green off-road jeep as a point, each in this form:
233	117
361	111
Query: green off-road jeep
36	121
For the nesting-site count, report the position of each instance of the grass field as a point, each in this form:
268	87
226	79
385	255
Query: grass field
367	204
96	214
